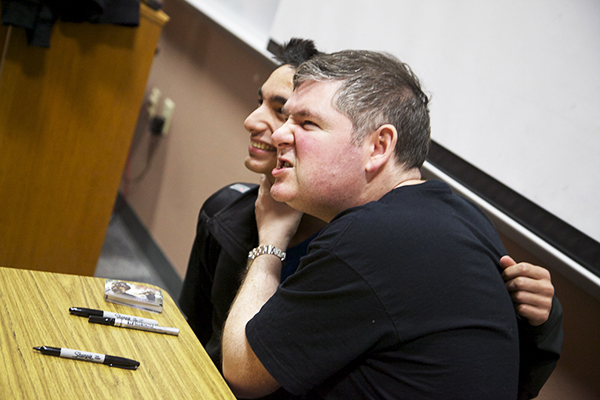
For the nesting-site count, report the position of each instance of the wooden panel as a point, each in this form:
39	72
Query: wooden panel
4	36
171	367
67	116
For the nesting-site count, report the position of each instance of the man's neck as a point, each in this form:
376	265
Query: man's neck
409	183
308	226
407	178
373	190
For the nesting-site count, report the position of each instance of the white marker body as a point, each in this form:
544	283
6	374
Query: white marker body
140	320
146	327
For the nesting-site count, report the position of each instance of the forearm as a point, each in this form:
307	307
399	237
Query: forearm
540	351
277	223
241	368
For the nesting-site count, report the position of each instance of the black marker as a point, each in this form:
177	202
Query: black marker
88	312
123	323
111	361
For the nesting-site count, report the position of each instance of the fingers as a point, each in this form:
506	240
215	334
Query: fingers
524	269
276	222
506	262
536	293
529	280
534	315
530	288
534	305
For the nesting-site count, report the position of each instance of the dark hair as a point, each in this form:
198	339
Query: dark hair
296	51
376	89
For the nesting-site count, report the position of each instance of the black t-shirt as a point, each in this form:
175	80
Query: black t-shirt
399	298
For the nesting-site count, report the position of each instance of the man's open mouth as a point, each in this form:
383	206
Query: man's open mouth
284	164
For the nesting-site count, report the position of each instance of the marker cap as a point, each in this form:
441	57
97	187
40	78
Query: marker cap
85	312
102	320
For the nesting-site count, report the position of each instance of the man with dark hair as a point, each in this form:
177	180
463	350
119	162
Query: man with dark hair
400	295
295	52
226	229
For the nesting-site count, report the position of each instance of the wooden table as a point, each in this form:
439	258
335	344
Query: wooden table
34	311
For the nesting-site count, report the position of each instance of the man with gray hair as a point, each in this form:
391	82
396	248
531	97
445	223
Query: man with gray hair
400	295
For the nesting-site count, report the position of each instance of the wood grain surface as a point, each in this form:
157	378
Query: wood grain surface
34	311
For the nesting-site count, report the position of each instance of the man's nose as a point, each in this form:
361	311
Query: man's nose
256	121
284	136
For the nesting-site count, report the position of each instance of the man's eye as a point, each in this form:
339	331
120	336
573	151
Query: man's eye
260	102
308	123
281	115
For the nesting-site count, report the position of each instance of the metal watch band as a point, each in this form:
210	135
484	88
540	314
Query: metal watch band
267	249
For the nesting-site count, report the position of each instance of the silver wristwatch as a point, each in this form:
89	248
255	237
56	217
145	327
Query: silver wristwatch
267	249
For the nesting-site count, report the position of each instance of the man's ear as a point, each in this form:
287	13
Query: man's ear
381	147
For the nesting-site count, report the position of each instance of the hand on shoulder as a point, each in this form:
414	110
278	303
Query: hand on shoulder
531	289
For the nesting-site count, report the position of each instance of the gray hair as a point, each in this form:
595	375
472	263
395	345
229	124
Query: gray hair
376	89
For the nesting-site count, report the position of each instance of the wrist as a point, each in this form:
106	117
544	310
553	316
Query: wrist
266	250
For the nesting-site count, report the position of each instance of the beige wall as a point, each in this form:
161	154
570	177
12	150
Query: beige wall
214	79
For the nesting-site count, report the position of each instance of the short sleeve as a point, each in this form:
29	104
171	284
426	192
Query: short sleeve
318	322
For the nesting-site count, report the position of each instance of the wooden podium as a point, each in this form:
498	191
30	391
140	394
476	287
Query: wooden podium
67	117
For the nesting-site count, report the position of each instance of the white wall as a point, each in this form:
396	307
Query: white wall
249	20
515	85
